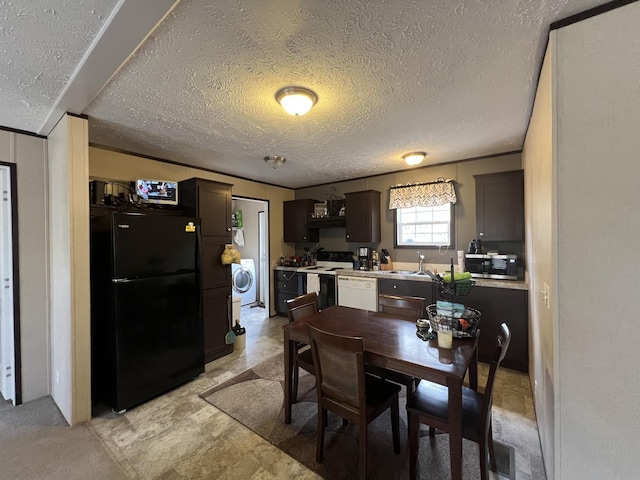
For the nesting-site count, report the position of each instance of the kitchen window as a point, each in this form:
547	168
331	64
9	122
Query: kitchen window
424	226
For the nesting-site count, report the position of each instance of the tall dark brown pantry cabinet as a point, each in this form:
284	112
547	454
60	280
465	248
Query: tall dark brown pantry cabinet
211	201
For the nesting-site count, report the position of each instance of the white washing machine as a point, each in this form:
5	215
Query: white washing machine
243	277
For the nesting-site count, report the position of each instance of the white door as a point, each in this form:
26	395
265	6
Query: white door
263	259
7	380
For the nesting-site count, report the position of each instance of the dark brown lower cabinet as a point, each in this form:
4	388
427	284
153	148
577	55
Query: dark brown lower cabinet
288	285
497	306
406	288
216	323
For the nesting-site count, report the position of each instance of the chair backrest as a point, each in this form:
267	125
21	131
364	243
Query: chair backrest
503	340
340	373
410	307
302	306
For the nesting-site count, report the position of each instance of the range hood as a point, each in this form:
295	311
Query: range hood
328	222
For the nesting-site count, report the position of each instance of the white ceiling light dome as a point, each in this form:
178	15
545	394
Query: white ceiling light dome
275	161
414	158
296	101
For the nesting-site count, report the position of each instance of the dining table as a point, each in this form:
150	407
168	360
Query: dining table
390	341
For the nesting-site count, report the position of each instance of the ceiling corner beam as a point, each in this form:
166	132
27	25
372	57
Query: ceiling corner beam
126	29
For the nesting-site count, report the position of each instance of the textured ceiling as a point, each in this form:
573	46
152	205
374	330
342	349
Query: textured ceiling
41	43
453	78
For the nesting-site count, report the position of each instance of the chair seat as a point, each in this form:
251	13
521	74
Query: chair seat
432	400
378	391
396	377
305	360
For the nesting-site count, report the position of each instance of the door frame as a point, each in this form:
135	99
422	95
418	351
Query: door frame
262	264
17	364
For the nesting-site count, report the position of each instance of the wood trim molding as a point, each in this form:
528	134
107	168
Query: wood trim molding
17	364
592	12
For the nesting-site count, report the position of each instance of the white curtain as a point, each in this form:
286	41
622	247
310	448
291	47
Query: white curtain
428	194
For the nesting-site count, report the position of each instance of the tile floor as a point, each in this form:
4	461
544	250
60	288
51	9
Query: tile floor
180	436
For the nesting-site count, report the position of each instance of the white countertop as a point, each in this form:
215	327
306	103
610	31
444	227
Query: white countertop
382	274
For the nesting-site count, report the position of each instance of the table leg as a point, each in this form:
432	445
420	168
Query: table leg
455	424
473	371
288	373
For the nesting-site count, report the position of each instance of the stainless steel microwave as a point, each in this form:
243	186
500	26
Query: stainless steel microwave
499	267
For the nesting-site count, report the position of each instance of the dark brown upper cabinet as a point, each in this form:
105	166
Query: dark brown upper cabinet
297	214
500	206
362	212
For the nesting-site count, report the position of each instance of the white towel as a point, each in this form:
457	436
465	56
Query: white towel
313	283
239	237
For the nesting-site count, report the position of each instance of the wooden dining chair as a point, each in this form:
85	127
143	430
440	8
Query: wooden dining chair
344	388
410	308
298	308
430	402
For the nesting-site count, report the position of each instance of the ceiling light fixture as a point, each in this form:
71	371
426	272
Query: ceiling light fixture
296	100
274	161
414	158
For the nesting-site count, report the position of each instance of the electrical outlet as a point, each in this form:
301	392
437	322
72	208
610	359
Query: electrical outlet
57	377
545	295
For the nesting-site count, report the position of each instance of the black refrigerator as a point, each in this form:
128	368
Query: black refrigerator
146	325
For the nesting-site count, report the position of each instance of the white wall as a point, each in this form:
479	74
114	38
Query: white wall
69	268
598	173
250	209
29	153
594	125
538	161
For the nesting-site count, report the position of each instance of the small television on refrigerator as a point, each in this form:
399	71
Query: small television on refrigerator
161	192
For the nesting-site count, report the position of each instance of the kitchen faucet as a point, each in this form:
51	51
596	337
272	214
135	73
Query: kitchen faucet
420	260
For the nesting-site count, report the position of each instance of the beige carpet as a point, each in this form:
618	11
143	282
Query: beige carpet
255	398
37	443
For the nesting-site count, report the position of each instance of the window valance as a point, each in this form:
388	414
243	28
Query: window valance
429	194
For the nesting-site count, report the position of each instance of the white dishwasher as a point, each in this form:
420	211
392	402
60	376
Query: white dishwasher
358	292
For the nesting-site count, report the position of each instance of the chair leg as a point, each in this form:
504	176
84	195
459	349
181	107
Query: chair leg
362	454
395	426
322	422
414	427
482	447
492	453
294	381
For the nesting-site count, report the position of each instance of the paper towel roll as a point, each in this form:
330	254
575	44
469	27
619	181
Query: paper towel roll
461	260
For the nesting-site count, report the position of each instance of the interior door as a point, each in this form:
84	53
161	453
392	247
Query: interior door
7	334
263	259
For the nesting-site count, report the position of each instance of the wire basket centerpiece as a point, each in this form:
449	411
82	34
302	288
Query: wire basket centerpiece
458	284
461	320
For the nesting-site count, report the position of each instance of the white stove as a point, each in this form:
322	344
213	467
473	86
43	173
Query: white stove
321	278
328	263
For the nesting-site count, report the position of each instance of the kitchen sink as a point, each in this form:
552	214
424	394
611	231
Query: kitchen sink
406	272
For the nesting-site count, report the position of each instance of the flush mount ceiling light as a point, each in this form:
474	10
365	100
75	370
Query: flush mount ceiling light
414	158
274	161
296	100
